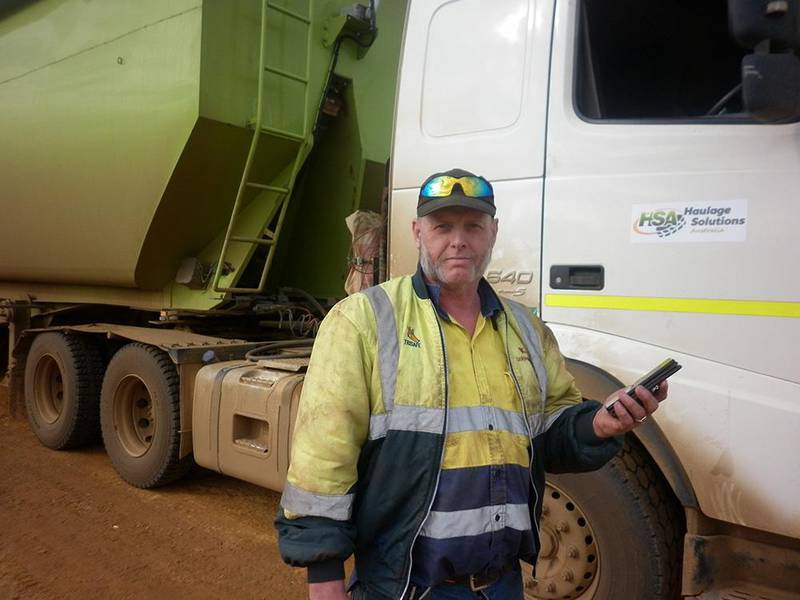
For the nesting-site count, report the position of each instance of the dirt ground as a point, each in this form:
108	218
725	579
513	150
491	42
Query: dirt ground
70	528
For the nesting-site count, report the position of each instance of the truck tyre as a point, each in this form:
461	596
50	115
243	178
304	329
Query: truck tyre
596	526
140	417
62	389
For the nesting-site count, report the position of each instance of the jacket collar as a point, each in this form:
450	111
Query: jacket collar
490	301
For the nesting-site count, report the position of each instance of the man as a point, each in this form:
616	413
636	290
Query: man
430	412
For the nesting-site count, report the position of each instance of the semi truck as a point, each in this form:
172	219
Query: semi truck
175	178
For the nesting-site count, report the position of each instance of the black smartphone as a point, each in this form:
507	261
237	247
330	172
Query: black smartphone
650	380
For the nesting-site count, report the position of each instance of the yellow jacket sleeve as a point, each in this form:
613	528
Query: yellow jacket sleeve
333	418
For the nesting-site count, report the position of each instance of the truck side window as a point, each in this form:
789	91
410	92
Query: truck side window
664	60
466	67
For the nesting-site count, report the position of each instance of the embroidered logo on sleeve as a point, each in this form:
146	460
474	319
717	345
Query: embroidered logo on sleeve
412	340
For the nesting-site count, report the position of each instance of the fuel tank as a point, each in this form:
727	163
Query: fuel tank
243	415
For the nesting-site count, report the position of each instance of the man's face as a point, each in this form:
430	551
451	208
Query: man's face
455	245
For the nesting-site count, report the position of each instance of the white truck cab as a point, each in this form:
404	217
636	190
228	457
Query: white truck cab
649	210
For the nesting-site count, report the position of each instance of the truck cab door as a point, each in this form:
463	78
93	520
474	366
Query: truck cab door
690	207
472	94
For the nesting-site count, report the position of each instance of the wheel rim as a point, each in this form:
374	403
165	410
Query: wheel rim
134	415
569	559
48	389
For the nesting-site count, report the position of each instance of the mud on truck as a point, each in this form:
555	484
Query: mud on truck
175	179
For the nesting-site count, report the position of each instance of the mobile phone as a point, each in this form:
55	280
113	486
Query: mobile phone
650	380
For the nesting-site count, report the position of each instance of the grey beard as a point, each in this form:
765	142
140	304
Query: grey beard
432	272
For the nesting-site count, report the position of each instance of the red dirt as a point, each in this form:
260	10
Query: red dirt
71	528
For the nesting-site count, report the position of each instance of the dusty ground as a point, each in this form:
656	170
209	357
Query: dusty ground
70	528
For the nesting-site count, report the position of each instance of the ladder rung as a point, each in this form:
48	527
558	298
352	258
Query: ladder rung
287	74
289	13
281	133
269	188
246	240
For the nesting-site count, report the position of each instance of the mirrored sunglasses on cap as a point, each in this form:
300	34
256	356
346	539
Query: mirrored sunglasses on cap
441	186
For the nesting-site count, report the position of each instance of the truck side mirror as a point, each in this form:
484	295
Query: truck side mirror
751	22
771	86
770	76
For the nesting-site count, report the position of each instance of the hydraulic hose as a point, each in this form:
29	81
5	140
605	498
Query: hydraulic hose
271	350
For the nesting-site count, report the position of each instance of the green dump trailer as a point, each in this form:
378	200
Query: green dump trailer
175	177
151	139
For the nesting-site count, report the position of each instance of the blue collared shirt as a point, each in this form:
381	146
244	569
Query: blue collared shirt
490	303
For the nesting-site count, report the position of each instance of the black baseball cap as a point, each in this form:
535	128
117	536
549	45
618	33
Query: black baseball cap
455	187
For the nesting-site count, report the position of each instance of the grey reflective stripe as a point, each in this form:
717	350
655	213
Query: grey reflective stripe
478	418
532	343
301	502
401	417
407	418
388	347
378	426
417	418
459	523
542	423
552	418
536	423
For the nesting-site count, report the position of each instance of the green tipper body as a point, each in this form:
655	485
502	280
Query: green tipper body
126	125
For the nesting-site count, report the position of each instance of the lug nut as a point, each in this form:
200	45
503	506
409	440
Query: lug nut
551	587
562	527
567	575
572	552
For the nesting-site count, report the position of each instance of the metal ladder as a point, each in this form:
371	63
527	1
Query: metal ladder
270	237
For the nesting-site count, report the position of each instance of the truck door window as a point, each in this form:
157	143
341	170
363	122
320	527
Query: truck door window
665	60
475	53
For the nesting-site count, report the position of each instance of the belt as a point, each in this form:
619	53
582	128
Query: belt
483	580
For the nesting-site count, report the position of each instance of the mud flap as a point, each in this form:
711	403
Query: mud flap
715	563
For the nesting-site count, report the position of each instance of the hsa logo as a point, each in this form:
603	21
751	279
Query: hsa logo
659	222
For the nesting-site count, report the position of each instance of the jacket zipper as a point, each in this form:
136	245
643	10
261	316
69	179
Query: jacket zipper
441	461
530	437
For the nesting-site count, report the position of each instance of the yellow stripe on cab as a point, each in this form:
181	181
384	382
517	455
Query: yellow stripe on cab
755	308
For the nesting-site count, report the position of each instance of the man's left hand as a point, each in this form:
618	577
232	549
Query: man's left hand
628	413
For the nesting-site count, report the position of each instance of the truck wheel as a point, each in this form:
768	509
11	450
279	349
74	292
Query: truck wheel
140	417
613	533
62	389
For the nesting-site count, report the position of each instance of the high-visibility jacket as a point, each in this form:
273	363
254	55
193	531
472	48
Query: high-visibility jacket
370	430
